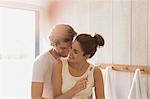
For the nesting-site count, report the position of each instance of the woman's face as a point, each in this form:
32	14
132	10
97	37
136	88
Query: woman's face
75	53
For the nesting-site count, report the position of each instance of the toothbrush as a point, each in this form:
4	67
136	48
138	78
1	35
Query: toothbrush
87	73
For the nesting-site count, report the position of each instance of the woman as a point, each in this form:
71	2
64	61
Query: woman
74	78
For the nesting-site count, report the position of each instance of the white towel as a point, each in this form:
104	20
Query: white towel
109	86
138	89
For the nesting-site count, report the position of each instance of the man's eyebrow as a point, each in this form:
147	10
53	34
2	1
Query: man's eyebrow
63	47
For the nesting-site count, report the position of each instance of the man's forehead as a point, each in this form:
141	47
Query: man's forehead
60	28
59	31
64	44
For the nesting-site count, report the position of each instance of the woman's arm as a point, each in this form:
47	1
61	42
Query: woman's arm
36	90
57	83
98	83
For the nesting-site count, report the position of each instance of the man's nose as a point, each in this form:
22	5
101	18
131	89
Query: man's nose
70	52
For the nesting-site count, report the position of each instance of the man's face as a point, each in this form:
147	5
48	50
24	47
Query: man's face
63	48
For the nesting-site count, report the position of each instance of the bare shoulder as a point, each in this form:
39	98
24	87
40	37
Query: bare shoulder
58	62
97	72
57	67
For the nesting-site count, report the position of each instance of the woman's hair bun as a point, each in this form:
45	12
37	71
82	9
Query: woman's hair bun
99	39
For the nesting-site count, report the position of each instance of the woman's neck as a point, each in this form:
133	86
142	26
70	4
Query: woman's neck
78	66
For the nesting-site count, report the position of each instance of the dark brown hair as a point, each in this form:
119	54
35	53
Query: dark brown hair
89	44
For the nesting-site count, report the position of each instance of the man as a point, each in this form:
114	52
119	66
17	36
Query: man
61	38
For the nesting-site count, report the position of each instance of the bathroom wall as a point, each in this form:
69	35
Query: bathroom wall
125	26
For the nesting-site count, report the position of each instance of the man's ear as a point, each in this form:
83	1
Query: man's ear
53	44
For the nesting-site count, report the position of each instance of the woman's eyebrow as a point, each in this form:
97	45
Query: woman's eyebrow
76	50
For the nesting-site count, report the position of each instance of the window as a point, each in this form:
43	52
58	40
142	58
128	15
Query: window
17	52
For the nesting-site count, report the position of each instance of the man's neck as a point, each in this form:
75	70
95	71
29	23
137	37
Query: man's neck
54	53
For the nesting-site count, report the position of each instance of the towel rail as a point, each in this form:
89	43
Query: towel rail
127	68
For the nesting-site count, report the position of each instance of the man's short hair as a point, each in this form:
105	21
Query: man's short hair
67	36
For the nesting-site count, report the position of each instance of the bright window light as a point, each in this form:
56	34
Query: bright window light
17	52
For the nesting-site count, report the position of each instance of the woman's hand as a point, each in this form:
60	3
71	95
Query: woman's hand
80	85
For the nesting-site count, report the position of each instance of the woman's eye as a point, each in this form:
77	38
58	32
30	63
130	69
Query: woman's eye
75	52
